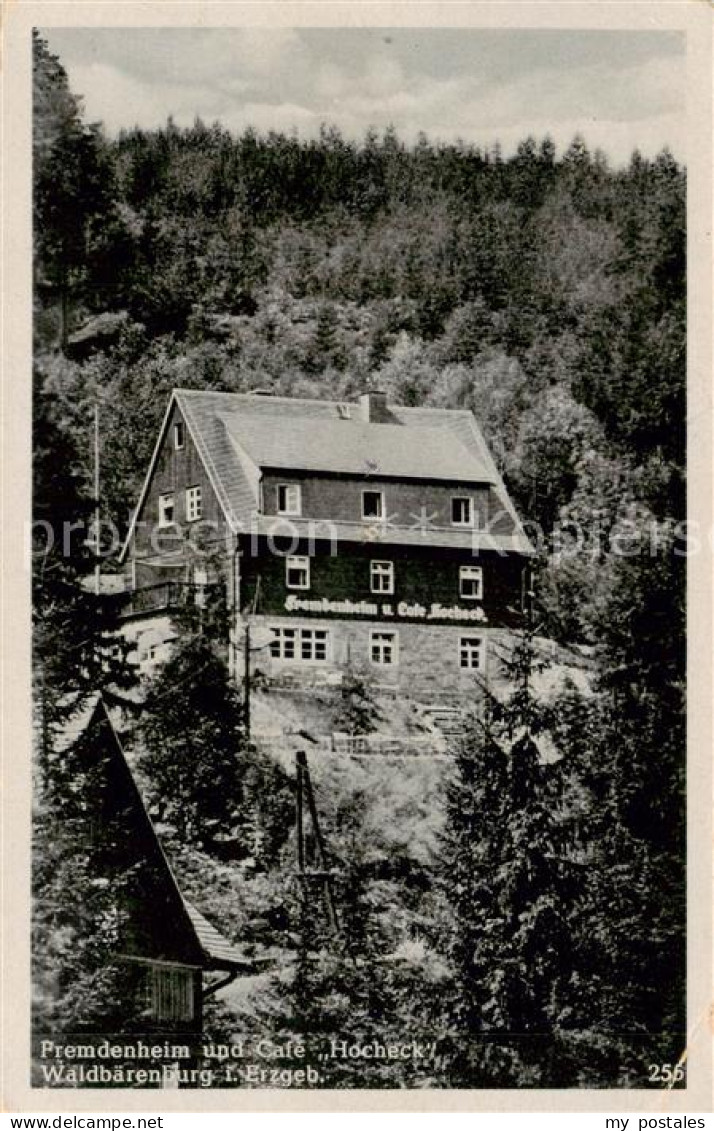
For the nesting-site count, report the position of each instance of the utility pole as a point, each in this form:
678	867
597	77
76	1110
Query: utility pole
246	679
299	758
528	651
246	658
322	873
233	610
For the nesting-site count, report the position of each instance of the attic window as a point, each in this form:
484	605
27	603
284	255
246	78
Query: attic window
289	501
343	411
462	511
193	504
166	510
178	435
373	505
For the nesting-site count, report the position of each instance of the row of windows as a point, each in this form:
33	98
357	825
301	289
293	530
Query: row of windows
374	508
382	577
289	498
193	506
309	644
312	645
463	512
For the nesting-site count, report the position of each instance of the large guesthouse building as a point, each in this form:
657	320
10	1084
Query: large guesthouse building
360	535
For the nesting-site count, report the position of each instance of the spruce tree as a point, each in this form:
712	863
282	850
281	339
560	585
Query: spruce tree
194	741
637	911
77	648
510	875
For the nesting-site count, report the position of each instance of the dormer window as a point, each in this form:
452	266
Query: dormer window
179	436
289	499
166	510
462	511
373	506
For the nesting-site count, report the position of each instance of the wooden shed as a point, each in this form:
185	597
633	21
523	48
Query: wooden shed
167	947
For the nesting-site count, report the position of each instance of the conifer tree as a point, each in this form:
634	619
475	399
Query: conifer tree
81	879
636	911
74	191
510	877
76	645
194	739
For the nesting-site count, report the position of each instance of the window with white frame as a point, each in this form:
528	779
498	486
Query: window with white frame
193	504
471	582
289	498
178	435
373	506
282	646
313	644
472	653
297	572
166	509
462	510
383	648
381	576
306	645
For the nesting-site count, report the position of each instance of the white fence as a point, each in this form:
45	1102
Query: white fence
367	745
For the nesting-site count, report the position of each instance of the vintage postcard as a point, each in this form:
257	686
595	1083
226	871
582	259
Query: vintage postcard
358	454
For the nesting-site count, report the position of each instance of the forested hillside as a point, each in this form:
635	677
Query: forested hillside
546	292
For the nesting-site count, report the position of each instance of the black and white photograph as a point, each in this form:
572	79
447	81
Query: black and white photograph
359	557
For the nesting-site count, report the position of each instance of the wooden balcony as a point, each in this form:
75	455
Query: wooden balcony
165	596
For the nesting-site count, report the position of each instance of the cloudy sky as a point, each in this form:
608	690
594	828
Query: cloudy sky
619	89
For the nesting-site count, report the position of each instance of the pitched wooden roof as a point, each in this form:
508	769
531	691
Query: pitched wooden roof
171	928
218	951
239	435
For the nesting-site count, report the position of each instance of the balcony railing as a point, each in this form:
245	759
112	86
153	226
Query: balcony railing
166	595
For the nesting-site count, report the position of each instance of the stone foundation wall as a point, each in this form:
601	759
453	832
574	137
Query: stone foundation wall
427	666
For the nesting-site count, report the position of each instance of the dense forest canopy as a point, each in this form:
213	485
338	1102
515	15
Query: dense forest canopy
544	291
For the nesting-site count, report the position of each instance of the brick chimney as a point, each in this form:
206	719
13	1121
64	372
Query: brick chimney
373	406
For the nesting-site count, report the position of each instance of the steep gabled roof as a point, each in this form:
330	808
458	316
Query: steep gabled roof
116	797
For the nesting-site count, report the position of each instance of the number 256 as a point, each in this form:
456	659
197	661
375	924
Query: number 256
665	1073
